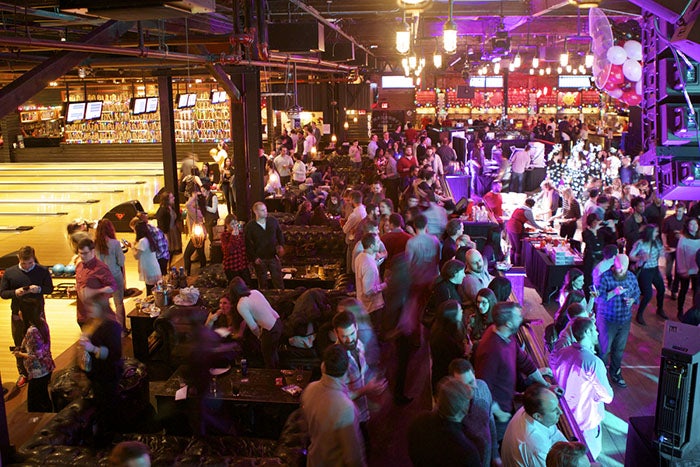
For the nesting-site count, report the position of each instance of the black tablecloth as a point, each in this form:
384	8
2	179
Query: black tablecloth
546	276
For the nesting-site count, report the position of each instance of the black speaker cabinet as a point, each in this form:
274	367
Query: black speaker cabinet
296	37
122	214
677	427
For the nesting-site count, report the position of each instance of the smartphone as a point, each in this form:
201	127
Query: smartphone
25	288
12	348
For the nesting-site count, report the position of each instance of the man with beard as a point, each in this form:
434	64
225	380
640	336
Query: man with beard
360	381
618	290
477	277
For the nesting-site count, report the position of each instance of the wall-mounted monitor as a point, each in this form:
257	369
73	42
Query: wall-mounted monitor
486	81
575	81
185	101
138	105
93	110
151	104
218	97
397	82
75	111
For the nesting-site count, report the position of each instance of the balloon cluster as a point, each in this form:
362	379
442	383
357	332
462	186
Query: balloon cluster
625	58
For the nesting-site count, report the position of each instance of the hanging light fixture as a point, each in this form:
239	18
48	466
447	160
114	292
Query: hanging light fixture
559	70
517	61
511	67
581	69
589	60
568	68
564	59
449	34
548	70
535	62
532	71
412	61
403	37
346	125
496	68
541	71
437	60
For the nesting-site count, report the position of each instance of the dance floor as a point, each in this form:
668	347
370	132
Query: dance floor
47	197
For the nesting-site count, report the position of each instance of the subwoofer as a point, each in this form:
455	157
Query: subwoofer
122	214
677	426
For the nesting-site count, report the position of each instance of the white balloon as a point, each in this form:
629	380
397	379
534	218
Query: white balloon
616	55
615	93
633	49
632	70
638	87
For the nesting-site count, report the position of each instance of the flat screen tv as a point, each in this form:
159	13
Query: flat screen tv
93	110
151	105
75	111
182	101
138	105
218	97
191	100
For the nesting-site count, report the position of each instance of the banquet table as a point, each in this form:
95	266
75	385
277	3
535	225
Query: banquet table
546	276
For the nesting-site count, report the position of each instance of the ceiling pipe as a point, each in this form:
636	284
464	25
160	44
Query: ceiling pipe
95	48
319	17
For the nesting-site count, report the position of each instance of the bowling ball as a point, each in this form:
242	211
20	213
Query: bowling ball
69	269
58	269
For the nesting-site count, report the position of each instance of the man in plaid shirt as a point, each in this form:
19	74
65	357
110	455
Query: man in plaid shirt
617	292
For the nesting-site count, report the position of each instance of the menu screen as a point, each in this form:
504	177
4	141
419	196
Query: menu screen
75	112
139	105
151	104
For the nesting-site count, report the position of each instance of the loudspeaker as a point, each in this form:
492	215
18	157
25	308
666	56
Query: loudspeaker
464	92
122	214
339	52
677	427
296	37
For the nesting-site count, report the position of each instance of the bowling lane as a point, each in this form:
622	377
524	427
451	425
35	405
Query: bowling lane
60	195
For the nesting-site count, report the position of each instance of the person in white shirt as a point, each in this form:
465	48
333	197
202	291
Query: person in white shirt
358	213
372	147
584	379
298	171
262	320
283	164
368	283
309	143
533	429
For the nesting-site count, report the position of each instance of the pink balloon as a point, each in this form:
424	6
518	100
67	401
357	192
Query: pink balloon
616	76
638	87
609	86
632	98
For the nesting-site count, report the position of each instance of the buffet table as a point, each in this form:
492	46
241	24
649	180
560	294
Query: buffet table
546	276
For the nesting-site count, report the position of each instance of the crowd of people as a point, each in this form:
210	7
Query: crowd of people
418	281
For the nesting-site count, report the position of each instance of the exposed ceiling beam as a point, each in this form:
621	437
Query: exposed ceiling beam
29	84
319	17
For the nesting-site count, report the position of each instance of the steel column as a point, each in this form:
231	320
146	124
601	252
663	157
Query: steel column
167	135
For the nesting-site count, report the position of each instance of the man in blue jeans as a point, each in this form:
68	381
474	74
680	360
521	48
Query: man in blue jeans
617	292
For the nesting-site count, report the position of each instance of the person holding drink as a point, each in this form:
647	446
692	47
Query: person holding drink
618	290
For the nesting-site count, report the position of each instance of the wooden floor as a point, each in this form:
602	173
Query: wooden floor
29	196
66	188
